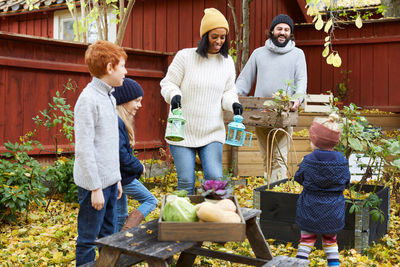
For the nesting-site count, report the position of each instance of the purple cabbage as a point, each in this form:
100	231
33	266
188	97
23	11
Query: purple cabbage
214	184
216	189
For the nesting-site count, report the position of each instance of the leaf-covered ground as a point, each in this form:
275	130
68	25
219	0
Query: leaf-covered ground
47	238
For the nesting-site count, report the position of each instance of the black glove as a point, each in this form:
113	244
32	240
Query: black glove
176	102
237	108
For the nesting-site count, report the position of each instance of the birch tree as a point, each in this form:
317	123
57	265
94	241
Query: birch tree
96	12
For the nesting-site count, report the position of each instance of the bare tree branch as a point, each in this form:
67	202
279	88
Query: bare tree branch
105	21
238	35
84	21
98	20
246	31
124	22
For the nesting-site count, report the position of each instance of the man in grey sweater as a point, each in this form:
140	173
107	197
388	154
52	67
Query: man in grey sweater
274	65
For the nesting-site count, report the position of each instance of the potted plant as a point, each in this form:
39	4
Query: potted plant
366	217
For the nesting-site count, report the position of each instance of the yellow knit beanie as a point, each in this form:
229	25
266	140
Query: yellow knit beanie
211	20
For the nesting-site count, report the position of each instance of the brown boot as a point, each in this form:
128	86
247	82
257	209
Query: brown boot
133	220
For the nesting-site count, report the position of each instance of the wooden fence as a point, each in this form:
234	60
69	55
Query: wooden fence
371	53
33	69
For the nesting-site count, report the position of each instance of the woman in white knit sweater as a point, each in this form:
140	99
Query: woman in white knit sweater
202	82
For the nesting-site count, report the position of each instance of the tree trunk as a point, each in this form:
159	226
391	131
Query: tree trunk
84	21
105	20
124	22
246	32
100	36
238	36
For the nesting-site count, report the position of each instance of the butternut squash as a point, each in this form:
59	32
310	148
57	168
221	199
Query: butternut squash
230	217
210	212
227	204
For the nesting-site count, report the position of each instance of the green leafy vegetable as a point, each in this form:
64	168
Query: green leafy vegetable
179	210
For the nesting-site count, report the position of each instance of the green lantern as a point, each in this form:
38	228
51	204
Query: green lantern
175	126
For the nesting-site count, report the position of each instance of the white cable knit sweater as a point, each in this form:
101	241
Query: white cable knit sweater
207	86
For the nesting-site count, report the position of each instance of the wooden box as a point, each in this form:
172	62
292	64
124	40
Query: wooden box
256	114
201	231
278	218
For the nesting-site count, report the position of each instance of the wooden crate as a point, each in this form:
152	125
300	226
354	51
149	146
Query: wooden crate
202	231
278	218
250	160
256	114
317	103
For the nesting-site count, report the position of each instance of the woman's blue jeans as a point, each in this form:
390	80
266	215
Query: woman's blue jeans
184	159
139	192
92	223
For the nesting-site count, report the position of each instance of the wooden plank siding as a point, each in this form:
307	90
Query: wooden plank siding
30	77
174	24
371	53
36	24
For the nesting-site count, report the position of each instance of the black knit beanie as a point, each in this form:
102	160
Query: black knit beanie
282	18
129	90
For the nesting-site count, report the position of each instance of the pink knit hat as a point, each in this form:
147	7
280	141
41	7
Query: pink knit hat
323	137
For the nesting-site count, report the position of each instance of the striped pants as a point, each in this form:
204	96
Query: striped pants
329	244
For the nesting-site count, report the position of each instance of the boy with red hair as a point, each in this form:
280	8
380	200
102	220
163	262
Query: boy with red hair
96	168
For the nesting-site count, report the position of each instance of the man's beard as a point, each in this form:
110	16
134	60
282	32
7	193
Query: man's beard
277	43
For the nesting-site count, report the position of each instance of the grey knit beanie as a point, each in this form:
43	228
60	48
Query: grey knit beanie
282	18
129	90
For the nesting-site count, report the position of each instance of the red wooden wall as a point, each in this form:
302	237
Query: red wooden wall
36	23
372	53
166	25
33	69
170	25
29	73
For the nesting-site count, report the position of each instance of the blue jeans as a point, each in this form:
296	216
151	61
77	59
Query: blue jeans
184	159
139	192
92	223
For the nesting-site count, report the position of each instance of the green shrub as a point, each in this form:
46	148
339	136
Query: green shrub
61	173
21	181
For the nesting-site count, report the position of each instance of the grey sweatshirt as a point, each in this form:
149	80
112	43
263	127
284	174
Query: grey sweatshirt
274	66
96	137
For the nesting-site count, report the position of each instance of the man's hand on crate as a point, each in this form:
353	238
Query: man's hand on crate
295	105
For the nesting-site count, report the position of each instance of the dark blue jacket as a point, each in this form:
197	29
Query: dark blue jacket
130	166
321	206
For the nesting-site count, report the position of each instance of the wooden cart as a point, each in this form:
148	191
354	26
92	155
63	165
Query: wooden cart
256	114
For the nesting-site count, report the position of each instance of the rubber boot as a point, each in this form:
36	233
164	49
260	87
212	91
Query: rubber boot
133	220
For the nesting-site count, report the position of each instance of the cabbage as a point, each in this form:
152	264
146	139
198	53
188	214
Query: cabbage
181	193
179	210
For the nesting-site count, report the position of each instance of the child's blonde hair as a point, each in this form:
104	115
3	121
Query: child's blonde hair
127	118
